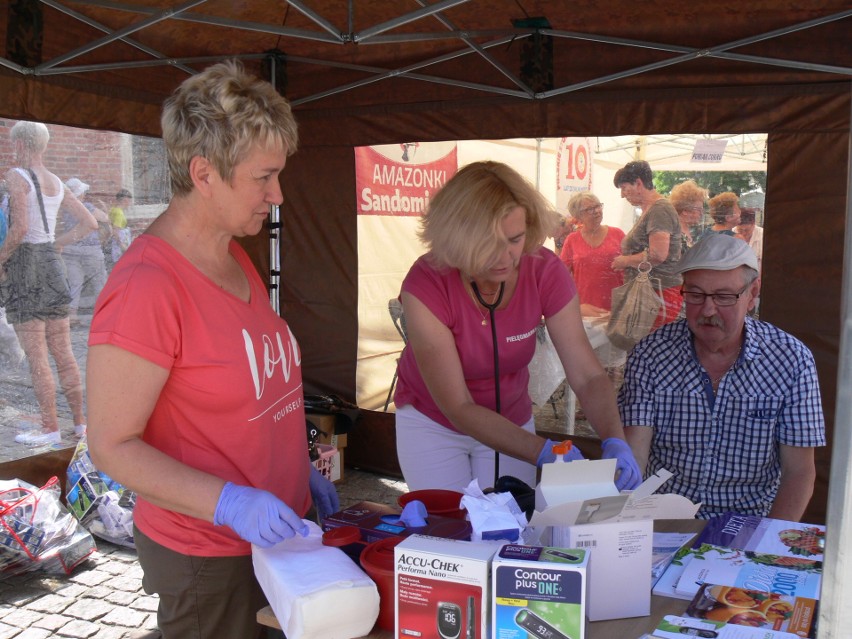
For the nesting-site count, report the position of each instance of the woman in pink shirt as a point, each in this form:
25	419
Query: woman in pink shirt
194	381
487	279
588	253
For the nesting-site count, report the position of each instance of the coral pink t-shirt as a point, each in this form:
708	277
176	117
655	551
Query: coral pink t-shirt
592	266
544	288
233	403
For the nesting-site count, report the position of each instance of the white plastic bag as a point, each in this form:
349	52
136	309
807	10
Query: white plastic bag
37	533
546	372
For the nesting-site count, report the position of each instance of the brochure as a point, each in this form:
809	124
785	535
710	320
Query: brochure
744	532
672	627
755	608
764	535
792	576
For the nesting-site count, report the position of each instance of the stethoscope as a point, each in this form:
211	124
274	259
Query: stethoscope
491	310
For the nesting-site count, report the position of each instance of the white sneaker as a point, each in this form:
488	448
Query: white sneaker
79	430
38	438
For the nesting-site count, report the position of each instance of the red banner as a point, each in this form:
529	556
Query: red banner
399	179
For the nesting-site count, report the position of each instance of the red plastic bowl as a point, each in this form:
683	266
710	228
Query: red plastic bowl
444	503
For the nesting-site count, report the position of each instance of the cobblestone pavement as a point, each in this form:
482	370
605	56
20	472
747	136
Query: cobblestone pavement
103	598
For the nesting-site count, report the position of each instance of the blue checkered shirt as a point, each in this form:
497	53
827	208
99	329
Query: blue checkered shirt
723	449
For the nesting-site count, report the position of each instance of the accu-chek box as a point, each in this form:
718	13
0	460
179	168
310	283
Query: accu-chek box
442	587
538	592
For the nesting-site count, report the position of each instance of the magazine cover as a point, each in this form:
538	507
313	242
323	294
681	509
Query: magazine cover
792	576
764	535
755	608
744	532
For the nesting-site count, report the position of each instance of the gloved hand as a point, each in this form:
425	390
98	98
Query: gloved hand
627	476
323	493
257	516
548	456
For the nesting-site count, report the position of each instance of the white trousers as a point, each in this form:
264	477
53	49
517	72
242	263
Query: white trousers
433	456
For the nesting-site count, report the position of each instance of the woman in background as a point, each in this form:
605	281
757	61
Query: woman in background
484	232
688	199
588	253
34	286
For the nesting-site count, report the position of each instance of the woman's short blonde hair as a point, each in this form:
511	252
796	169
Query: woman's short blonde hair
33	135
578	202
462	228
221	114
686	192
722	205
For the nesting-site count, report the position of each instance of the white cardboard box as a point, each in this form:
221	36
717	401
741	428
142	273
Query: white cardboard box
619	566
442	587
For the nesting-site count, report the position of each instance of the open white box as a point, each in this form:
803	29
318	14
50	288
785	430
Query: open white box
579	506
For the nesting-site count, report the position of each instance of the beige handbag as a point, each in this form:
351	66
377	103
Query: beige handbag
635	307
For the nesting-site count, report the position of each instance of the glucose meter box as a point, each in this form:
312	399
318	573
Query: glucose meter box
442	587
538	592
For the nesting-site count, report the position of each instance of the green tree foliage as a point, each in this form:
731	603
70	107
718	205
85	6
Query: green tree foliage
715	182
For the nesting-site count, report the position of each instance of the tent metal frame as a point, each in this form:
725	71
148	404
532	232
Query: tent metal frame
377	35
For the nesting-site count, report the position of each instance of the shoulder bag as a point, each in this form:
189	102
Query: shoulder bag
635	307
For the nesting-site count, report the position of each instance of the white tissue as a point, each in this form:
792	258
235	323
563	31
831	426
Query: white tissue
305	581
492	513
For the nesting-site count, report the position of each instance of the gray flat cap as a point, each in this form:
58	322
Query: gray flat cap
717	252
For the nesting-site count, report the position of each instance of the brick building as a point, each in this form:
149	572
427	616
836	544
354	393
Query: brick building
107	161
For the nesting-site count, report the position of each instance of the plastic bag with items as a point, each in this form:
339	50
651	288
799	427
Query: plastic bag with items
37	533
103	506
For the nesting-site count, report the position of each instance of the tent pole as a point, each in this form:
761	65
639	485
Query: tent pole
274	223
835	615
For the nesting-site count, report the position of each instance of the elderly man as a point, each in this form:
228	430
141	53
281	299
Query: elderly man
729	404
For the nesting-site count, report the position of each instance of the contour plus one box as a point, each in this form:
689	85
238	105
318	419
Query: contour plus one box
442	588
538	592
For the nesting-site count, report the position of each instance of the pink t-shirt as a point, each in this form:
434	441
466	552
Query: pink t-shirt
544	288
592	266
233	403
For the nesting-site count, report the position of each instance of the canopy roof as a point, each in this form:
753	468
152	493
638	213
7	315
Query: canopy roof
392	52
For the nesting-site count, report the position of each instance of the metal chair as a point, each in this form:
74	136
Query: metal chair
398	318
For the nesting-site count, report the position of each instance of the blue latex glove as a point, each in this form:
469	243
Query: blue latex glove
547	455
323	493
414	514
627	475
257	515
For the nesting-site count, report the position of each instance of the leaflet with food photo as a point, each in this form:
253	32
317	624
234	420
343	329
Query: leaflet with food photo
755	608
764	535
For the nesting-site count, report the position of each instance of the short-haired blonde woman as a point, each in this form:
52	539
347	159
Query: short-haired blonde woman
33	281
195	385
688	199
588	253
725	211
487	270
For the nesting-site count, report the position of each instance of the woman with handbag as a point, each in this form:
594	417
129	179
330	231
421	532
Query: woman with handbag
33	285
654	241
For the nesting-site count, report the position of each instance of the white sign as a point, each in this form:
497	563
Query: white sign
708	150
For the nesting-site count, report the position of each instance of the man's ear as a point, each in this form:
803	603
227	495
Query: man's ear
201	172
754	288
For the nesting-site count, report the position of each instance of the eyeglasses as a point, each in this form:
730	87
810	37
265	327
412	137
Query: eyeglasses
591	209
719	299
696	209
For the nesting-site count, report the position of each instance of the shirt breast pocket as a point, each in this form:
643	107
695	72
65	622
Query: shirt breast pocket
752	428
